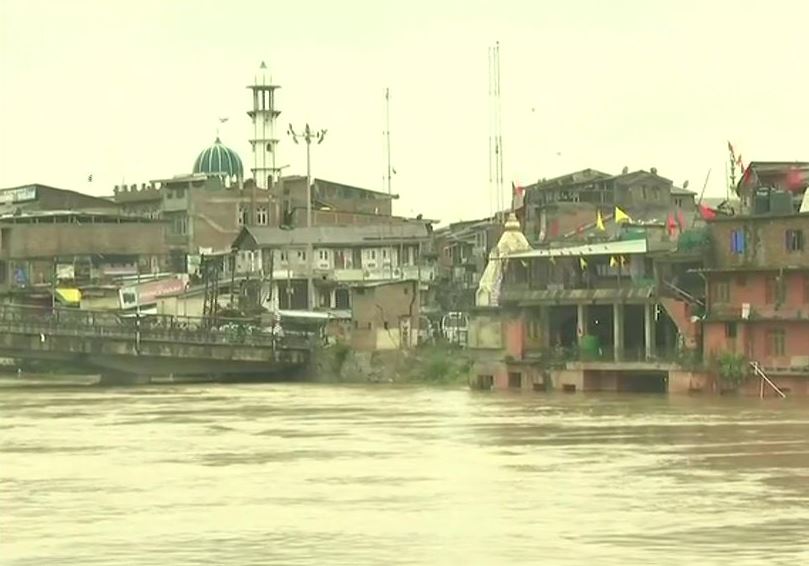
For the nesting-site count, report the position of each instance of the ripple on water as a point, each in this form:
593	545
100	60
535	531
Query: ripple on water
316	474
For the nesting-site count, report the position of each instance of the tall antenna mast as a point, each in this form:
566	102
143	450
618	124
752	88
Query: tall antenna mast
496	191
500	190
387	133
490	54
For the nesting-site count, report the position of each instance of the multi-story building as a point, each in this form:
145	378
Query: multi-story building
39	250
566	206
598	316
758	295
344	256
462	252
332	203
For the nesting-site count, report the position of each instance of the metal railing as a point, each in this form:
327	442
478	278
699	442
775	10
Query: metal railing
757	370
158	328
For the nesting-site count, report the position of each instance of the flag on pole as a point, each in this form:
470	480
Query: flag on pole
583	263
707	213
600	221
621	216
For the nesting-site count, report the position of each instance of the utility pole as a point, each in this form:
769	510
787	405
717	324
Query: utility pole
308	135
387	133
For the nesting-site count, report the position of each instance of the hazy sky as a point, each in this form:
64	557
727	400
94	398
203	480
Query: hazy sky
131	90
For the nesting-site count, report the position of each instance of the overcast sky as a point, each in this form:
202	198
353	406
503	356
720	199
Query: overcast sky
132	90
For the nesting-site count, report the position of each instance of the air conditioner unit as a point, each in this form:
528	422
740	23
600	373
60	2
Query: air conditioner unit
371	265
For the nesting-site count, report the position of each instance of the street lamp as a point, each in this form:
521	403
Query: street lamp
308	135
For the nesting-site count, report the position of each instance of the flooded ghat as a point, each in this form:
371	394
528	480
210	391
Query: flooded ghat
317	474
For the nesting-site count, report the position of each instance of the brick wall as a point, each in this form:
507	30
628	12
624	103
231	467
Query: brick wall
764	241
65	239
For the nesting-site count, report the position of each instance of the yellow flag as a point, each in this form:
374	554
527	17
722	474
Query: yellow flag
613	261
583	263
621	216
600	222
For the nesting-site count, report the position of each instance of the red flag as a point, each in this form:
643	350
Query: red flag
795	179
681	219
671	224
707	213
518	196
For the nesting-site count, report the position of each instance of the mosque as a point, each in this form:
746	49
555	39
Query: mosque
206	208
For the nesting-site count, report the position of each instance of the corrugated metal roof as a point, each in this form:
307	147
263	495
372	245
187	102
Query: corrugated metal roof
620	247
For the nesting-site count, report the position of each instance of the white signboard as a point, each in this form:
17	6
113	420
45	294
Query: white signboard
65	272
22	194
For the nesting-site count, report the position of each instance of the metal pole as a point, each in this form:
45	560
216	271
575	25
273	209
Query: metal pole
309	251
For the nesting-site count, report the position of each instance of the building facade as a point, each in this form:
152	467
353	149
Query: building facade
343	257
758	295
385	315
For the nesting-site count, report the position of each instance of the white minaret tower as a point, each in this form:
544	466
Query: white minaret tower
264	141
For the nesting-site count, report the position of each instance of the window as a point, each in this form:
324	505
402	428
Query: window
284	256
372	254
385	325
241	216
384	254
776	342
301	255
730	330
806	288
773	291
323	254
721	292
514	379
794	240
262	217
738	241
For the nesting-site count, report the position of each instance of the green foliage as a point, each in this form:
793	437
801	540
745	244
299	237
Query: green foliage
439	364
732	368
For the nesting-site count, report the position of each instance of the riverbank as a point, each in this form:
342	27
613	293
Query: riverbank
441	364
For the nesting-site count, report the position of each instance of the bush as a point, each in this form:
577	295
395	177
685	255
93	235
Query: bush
732	368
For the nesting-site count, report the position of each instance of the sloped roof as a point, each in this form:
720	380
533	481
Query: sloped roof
253	237
619	247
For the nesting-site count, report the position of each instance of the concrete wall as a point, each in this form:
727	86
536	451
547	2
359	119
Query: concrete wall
485	331
377	313
691	382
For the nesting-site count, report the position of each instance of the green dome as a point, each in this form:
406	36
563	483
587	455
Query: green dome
219	160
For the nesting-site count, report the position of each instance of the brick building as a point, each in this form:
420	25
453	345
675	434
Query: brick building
758	295
562	207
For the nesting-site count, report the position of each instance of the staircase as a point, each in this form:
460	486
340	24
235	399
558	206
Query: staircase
682	294
759	372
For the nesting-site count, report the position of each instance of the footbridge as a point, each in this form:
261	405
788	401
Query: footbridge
118	346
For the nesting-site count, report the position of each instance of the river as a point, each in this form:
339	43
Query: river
313	474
